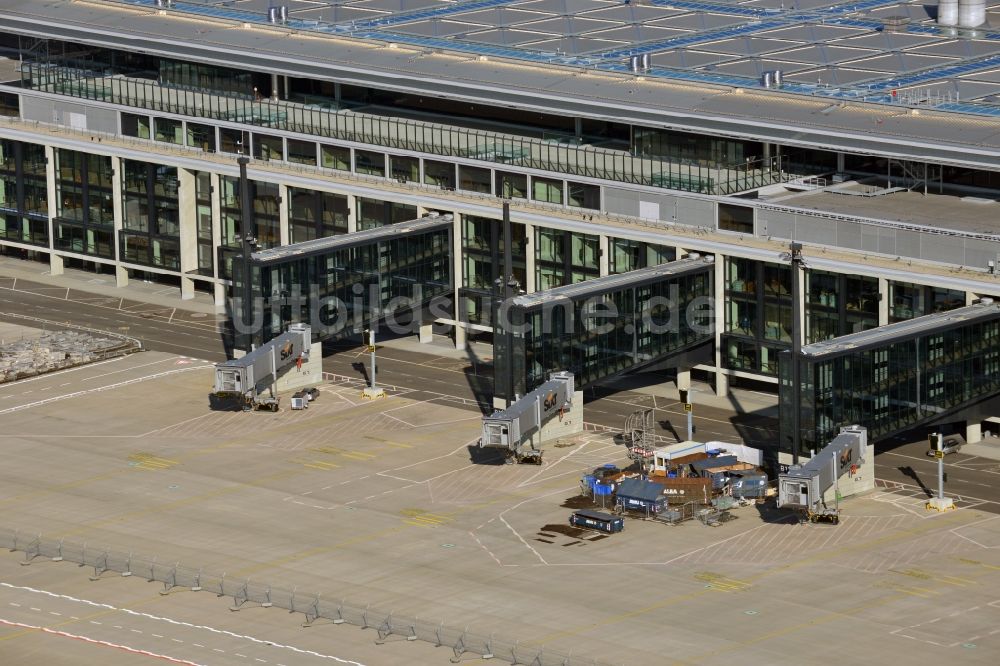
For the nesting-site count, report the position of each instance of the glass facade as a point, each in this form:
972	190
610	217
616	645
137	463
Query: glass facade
205	223
629	255
650	157
597	334
482	264
313	214
84	204
265	201
349	285
907	301
894	384
758	323
151	224
24	202
839	304
374	213
564	257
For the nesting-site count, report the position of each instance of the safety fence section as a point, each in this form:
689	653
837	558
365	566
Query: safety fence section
315	607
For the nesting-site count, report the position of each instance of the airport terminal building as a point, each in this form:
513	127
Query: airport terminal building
624	134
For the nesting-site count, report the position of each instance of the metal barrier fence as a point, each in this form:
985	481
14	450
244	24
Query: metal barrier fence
313	606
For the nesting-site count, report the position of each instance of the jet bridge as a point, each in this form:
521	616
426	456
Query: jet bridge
519	429
807	487
250	376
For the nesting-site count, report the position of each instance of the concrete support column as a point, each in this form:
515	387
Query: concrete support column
117	173
801	304
220	295
973	432
683	379
421	211
457	281
352	213
284	233
681	252
426	333
529	260
883	302
220	290
187	204
719	324
55	262
274	87
604	260
840	162
970	298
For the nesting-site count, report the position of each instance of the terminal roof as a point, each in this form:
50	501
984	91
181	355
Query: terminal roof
330	244
902	331
571	57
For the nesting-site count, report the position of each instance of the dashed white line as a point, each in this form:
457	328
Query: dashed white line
55	613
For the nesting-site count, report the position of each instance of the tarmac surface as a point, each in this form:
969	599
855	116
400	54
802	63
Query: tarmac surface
384	503
745	416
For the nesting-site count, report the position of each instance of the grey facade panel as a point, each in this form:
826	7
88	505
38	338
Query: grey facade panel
776	224
697	212
886	241
816	230
102	120
849	234
621	202
869	238
943	249
978	254
35	108
907	243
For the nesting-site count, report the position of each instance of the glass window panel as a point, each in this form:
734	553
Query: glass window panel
169	130
474	179
368	162
546	189
335	157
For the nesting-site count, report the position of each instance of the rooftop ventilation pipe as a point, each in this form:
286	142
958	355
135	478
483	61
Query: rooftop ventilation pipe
947	12
971	13
638	64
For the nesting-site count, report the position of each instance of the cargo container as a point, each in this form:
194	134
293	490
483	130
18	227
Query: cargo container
680	490
639	495
595	520
752	485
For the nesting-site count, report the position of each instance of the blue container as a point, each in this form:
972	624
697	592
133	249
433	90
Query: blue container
603	489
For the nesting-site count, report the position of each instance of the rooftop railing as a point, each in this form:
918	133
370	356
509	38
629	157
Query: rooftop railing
319	120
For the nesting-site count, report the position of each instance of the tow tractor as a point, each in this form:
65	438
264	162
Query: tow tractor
805	488
252	378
